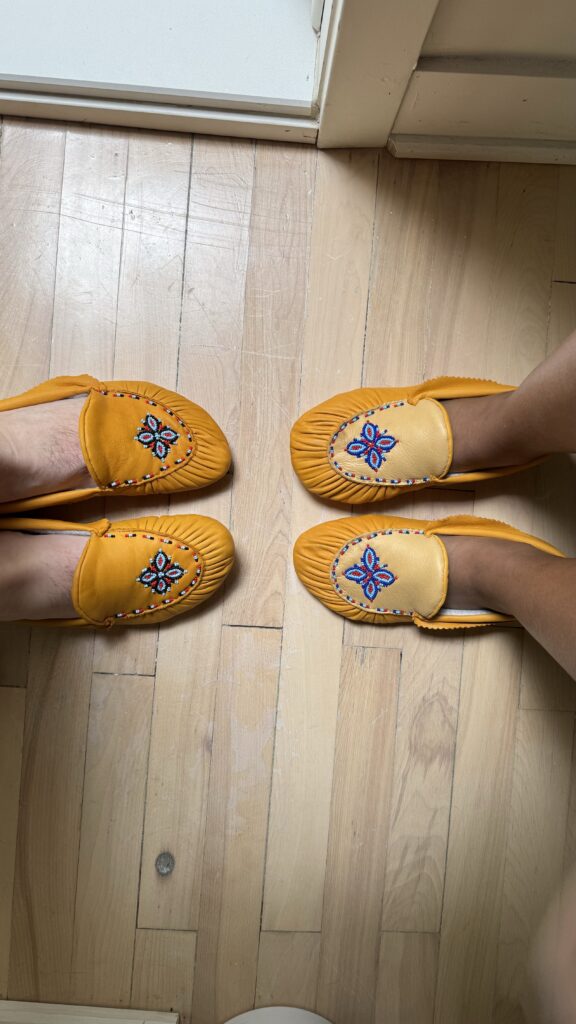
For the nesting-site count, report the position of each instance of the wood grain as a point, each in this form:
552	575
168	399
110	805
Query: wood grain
188	654
331	359
163	975
406	978
535	848
111	839
148	319
269	378
288	965
422	788
31	170
565	247
359	821
236	825
12	709
14	651
57	703
259	280
478	826
89	247
397	331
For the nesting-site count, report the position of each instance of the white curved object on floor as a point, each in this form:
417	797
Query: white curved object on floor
278	1015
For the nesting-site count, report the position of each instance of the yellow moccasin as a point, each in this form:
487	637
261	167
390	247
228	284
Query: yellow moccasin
387	569
140	571
137	439
375	443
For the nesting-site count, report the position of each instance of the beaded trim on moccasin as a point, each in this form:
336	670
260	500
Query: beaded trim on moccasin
387	569
136	438
141	571
374	443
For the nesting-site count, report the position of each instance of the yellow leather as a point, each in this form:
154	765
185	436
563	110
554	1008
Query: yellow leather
108	588
413	459
413	417
416	562
412	561
112	420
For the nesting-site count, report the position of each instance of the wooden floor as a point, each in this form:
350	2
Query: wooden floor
362	820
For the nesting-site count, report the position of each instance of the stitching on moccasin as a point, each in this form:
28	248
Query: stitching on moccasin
165	602
165	464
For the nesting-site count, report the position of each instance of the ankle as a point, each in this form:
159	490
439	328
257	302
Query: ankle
486	432
484	571
36	574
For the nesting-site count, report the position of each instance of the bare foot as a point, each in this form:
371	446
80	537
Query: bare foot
36	573
485	433
40	450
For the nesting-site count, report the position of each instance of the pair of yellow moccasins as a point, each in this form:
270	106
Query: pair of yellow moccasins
358	447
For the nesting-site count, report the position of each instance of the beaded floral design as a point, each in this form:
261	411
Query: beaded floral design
369	574
161	574
155	436
372	445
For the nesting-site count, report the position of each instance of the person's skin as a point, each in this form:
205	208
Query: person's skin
553	958
40	452
36	572
506	430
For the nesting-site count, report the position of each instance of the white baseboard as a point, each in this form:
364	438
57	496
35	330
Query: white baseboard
162	116
446	147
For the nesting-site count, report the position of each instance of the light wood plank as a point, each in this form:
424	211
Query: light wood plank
57	705
490	289
288	969
233	873
331	360
110	839
358	827
522	269
12	708
14	651
570	847
164	971
544	683
269	378
155	210
422	788
86	290
478	825
187	669
535	851
148	320
565	255
406	978
31	168
89	245
461	281
397	328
